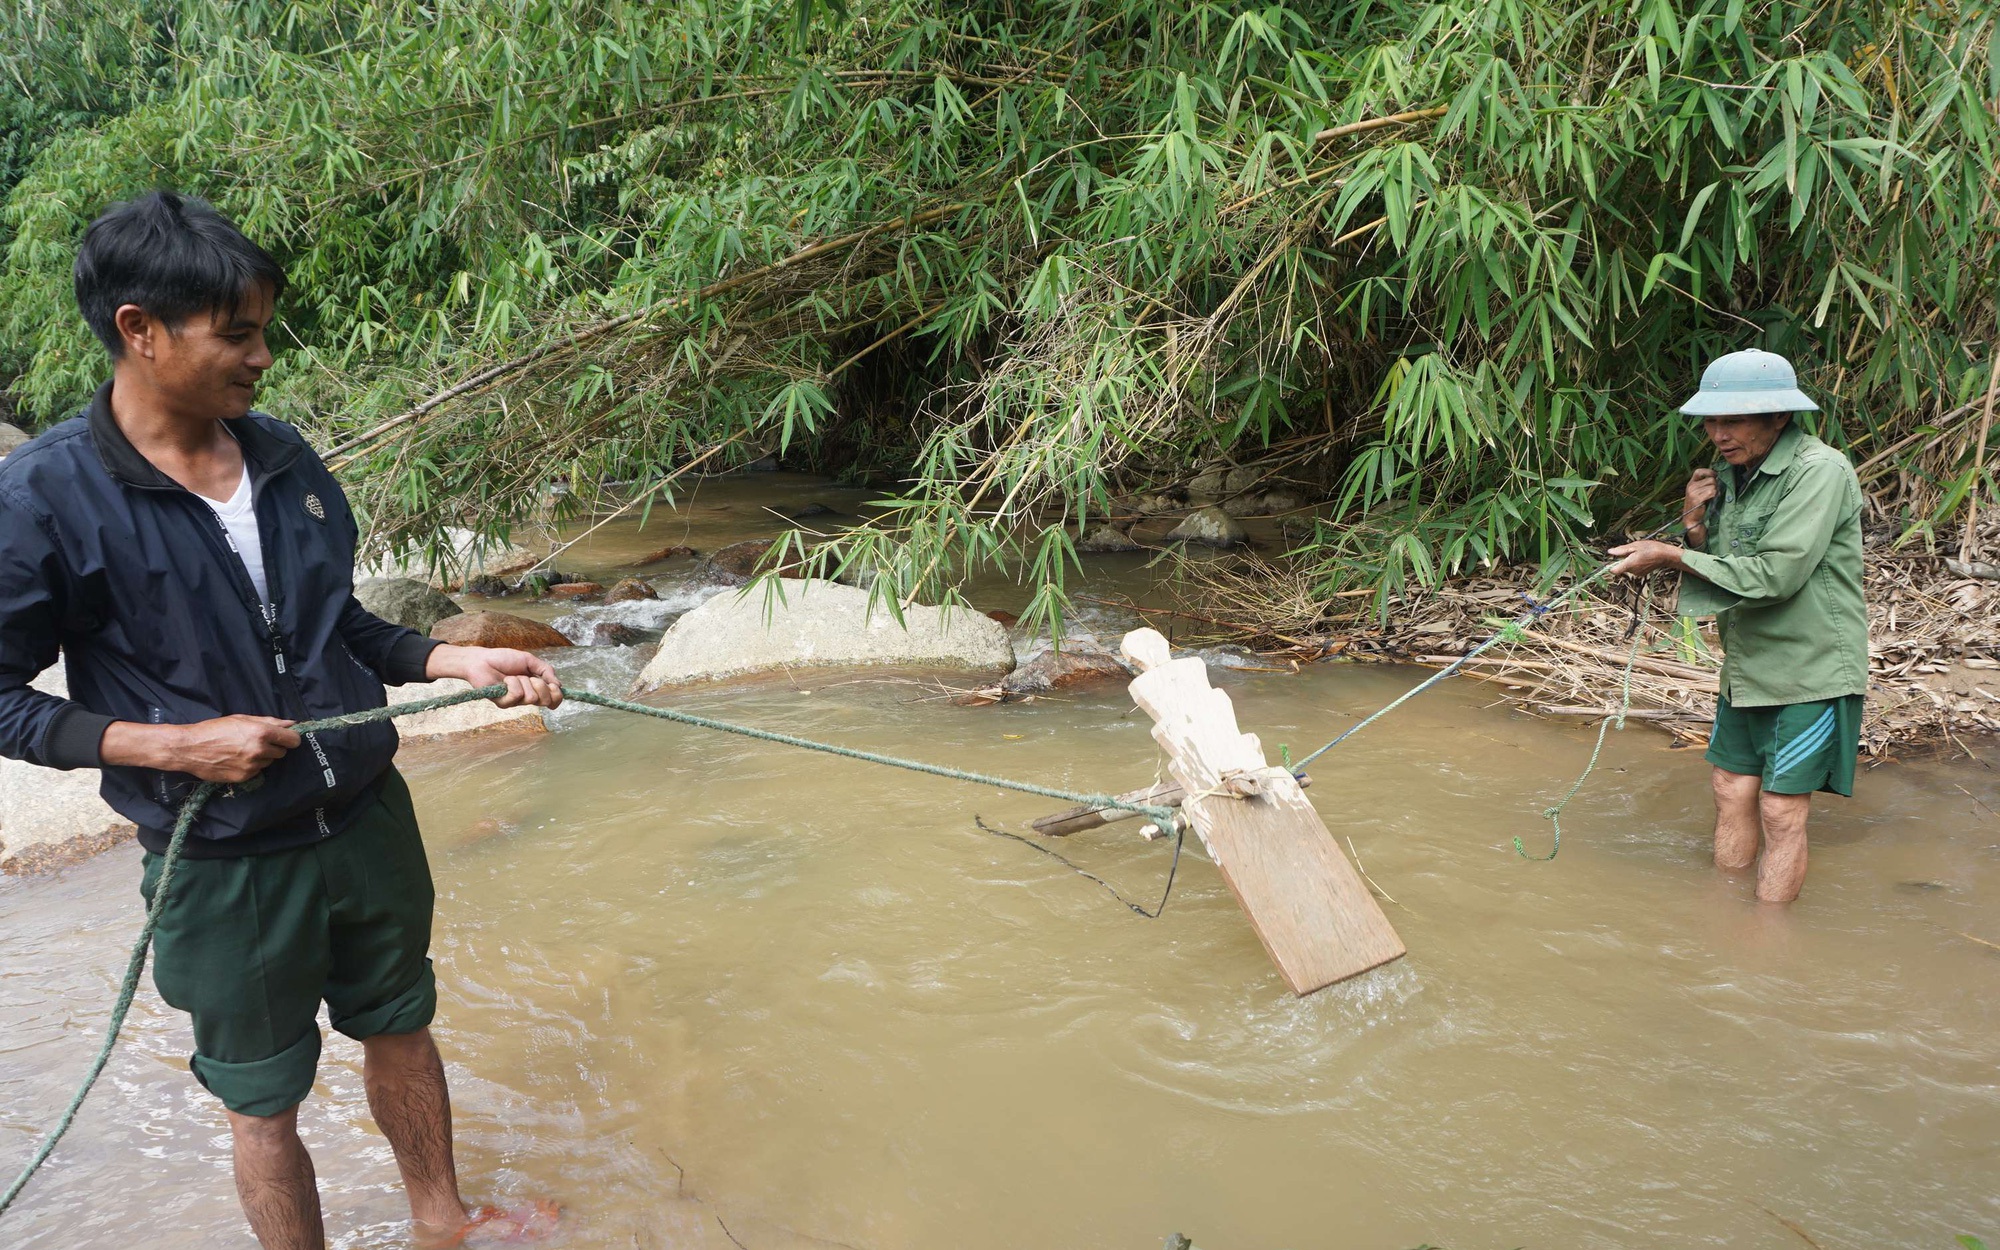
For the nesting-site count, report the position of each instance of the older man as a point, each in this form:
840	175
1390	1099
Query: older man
1774	553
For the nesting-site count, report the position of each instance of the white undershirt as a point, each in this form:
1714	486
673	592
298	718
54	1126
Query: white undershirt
239	517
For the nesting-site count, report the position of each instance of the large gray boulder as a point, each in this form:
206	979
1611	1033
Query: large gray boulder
10	438
48	817
1211	527
405	601
820	624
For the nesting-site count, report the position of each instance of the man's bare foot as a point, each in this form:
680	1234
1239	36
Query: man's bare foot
495	1226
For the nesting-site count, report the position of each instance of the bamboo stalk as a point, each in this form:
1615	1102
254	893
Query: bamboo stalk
350	450
1968	547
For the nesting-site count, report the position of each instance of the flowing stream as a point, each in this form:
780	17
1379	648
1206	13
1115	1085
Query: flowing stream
708	992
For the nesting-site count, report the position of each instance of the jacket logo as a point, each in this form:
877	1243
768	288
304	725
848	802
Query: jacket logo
315	508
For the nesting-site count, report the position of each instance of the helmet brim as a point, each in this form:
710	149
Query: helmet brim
1747	403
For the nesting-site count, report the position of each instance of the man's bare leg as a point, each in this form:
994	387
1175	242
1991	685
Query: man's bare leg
274	1180
407	1094
1736	818
1782	871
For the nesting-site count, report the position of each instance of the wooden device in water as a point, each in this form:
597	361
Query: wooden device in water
1307	904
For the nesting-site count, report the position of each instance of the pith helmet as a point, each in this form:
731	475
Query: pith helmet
1743	383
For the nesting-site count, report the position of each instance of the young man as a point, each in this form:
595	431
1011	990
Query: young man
1774	553
192	560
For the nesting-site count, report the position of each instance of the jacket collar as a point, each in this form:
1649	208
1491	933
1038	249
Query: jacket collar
1776	461
1784	451
265	453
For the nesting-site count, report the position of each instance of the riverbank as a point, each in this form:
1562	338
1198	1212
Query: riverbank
1934	651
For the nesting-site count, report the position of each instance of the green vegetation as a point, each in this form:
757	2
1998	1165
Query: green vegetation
1015	257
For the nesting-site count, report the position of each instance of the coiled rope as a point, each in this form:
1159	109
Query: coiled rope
1167	817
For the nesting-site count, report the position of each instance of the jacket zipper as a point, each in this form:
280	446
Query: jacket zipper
269	616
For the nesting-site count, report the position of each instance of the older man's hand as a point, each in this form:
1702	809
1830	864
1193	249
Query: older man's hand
1643	557
528	677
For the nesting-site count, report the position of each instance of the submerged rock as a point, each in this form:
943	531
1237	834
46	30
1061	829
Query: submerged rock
575	590
737	563
497	629
1107	539
628	589
480	716
48	817
820	623
1211	527
616	634
670	553
1079	663
405	601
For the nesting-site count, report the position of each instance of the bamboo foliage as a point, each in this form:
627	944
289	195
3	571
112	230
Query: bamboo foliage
1032	255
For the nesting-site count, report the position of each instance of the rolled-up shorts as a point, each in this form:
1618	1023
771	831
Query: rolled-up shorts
250	947
1796	748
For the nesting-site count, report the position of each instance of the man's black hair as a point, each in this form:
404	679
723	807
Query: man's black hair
172	255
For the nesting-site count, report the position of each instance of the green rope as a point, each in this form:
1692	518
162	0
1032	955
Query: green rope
1554	814
1166	816
1514	631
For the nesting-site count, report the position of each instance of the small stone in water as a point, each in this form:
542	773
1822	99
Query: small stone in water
628	589
614	634
575	590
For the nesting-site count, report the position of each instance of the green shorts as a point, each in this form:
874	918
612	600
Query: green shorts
1796	748
250	946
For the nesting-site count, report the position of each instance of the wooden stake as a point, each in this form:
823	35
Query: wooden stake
1308	906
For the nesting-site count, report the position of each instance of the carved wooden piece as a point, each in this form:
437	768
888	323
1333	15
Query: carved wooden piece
1306	903
1162	794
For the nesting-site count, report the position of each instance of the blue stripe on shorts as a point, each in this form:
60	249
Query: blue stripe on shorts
1805	746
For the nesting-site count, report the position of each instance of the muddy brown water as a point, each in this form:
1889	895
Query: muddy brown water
711	993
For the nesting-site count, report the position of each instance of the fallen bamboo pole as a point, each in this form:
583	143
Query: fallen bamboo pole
1634	713
1693	678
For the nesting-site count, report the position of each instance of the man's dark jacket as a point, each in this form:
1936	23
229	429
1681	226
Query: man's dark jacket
134	578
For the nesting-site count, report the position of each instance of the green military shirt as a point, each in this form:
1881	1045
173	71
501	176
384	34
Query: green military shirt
1781	572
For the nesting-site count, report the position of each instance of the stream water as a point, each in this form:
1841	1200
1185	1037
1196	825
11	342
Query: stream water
708	993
